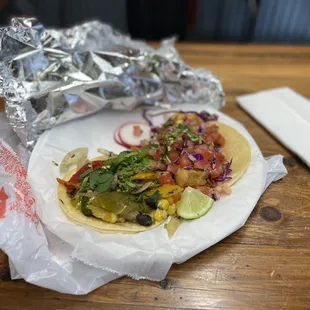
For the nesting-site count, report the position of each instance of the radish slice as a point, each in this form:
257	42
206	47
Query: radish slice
127	136
117	138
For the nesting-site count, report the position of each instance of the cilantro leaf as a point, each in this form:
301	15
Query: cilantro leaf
101	181
93	179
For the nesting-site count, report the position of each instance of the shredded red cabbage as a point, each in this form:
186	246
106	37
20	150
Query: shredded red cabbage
227	171
194	157
205	116
198	156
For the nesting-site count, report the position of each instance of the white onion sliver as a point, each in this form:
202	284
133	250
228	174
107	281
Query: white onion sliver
76	157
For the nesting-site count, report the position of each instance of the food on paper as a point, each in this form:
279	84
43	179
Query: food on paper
174	171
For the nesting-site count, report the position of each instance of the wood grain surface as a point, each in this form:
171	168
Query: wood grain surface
265	264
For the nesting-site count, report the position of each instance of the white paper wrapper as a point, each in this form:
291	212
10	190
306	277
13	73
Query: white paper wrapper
146	255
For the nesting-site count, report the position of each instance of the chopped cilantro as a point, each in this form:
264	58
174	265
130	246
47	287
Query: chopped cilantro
101	181
54	162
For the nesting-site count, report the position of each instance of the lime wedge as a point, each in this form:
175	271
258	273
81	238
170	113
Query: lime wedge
194	204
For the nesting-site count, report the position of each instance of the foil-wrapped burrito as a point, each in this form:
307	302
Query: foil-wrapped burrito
49	76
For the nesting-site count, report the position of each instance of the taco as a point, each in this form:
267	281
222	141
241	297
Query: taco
138	189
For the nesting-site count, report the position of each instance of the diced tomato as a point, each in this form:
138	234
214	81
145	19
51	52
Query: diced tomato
190	146
166	179
69	185
157	156
208	156
205	190
184	161
204	151
137	131
154	154
177	145
220	140
95	164
214	173
212	129
173	168
173	156
208	138
202	164
201	148
212	134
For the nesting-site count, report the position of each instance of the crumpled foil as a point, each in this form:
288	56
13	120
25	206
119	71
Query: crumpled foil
49	76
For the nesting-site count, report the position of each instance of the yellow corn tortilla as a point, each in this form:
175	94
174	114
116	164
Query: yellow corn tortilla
237	148
76	216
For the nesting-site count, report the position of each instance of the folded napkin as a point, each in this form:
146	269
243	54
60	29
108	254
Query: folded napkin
285	114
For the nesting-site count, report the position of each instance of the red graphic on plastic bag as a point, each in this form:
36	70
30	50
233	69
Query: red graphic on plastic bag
3	198
24	199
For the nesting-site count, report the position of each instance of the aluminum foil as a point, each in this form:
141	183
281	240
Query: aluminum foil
49	76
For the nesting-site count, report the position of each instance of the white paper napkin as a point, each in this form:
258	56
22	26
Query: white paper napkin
285	114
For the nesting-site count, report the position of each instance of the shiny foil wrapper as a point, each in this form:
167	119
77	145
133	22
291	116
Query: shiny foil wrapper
49	76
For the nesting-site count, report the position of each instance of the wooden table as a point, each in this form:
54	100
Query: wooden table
264	265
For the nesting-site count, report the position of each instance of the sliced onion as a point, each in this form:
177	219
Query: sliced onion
191	157
76	157
114	184
129	139
143	188
106	154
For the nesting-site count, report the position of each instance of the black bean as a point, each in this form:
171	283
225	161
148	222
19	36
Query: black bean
144	220
151	203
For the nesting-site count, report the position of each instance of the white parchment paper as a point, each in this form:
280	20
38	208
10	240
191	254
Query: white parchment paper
149	254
